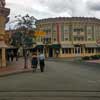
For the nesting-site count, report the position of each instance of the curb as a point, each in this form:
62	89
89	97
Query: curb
77	62
15	73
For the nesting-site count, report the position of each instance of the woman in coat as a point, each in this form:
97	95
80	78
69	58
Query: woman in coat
34	61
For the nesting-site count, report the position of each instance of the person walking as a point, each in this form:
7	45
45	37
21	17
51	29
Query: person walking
57	53
34	62
42	61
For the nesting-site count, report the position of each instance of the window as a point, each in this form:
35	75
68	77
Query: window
69	50
66	39
89	50
64	50
54	39
66	28
89	39
89	30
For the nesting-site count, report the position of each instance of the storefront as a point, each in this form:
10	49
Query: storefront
40	48
91	49
54	50
66	50
72	50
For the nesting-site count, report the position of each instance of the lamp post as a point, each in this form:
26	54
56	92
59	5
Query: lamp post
25	59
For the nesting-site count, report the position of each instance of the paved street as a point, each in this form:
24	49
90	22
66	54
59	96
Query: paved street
60	80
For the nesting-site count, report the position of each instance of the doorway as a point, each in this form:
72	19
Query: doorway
50	52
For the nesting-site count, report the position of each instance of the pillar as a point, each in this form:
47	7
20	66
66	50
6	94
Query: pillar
47	55
72	52
3	53
94	50
53	52
60	52
84	53
4	12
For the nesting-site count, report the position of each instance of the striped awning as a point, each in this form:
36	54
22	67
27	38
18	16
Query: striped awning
67	46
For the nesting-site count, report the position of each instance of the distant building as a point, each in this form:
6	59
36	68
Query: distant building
70	36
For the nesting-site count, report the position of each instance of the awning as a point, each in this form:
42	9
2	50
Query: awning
91	45
39	46
67	46
56	46
33	49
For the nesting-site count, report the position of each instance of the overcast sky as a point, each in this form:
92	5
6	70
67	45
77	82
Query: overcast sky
54	8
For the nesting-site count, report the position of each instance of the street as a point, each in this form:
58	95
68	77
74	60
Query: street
60	80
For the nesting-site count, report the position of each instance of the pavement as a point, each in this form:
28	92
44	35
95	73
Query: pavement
59	81
77	59
94	61
15	67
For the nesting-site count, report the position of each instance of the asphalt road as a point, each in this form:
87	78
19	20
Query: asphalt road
60	81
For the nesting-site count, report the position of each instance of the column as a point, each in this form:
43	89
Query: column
53	52
3	61
83	51
60	52
47	52
74	51
71	51
94	50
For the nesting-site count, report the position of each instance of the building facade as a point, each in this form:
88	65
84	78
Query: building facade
69	36
4	12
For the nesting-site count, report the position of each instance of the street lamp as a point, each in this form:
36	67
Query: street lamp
25	58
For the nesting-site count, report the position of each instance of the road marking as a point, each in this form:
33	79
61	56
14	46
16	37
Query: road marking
90	81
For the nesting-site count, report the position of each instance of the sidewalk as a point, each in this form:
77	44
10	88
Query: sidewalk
94	61
15	67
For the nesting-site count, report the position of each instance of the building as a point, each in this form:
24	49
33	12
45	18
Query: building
70	36
4	12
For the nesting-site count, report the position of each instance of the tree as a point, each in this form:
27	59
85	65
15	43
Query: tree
26	26
24	34
16	39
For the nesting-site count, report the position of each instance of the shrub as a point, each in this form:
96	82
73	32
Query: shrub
95	57
86	58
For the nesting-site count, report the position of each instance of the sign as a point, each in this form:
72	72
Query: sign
39	33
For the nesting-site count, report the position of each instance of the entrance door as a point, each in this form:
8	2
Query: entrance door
77	51
50	52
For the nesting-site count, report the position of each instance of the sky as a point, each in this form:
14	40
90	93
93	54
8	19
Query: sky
54	8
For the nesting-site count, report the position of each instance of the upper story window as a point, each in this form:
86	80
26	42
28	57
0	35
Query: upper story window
89	29
66	29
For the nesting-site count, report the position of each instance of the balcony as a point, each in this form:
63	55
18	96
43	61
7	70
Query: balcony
78	42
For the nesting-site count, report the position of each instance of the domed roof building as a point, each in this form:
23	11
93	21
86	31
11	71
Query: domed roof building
70	36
